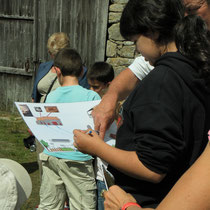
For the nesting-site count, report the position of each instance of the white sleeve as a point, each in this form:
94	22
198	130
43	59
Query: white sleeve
140	67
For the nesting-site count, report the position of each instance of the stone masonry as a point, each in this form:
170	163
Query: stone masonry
119	52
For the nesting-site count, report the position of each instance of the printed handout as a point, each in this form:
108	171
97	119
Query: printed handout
53	124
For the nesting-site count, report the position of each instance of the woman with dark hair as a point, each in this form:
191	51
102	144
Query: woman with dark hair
166	117
126	81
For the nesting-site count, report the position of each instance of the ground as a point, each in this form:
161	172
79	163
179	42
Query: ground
12	132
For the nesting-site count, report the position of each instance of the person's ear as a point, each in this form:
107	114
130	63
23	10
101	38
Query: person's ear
58	71
107	84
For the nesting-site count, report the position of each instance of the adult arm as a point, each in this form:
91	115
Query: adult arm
191	192
119	89
125	161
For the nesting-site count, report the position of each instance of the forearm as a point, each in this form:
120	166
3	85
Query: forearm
122	85
192	190
127	162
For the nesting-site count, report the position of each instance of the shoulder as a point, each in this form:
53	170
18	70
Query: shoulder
161	85
140	67
53	96
46	65
162	76
43	70
167	82
92	95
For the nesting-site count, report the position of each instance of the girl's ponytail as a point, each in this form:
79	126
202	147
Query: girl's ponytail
193	41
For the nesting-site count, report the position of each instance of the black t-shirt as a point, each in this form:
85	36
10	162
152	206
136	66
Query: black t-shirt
164	122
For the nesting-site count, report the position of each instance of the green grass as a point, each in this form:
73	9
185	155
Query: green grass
12	132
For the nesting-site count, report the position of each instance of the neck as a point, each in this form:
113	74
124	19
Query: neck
170	47
68	81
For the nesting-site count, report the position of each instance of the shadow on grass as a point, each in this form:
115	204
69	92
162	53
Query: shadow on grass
31	167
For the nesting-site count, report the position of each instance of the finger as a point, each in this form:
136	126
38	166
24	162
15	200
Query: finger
102	134
85	131
94	133
102	131
81	136
75	141
102	193
131	198
96	125
103	128
76	131
105	193
110	202
75	144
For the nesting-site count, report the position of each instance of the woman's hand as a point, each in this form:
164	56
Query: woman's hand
115	198
87	141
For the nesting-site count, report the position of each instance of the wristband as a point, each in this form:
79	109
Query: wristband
125	206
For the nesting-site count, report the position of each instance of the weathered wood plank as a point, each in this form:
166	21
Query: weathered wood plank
25	26
85	21
16	17
16	88
10	70
17	7
16	43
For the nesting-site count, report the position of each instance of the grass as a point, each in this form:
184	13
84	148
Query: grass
12	132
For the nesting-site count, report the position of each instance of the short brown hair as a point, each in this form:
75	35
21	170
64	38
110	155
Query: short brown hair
101	71
69	62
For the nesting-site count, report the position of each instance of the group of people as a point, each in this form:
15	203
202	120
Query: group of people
69	177
162	153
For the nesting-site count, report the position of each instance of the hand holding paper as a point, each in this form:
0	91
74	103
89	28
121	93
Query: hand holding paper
87	143
53	124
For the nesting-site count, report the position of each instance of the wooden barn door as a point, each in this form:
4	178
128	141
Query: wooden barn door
25	26
85	21
18	51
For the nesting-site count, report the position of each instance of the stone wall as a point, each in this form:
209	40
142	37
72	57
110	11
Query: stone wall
119	52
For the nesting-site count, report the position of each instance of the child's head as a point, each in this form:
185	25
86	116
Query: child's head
160	26
155	19
69	62
99	76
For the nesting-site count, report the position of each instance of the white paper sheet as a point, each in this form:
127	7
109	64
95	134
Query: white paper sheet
53	124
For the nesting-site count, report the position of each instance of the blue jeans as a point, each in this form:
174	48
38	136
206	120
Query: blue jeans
100	186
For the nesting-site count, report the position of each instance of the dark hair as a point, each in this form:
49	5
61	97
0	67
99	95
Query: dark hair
101	71
147	17
193	41
69	62
167	19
